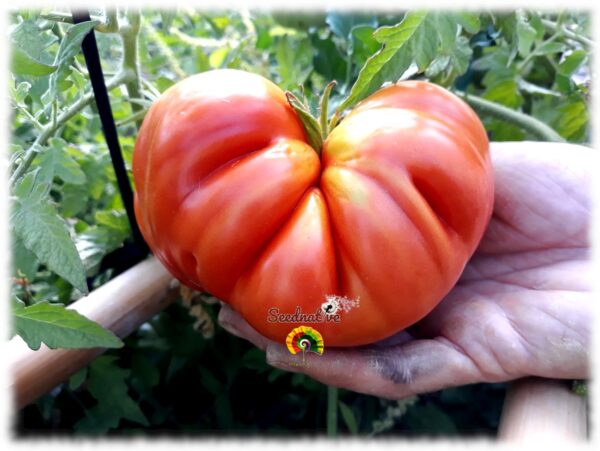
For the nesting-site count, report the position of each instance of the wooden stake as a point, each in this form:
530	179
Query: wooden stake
121	305
539	410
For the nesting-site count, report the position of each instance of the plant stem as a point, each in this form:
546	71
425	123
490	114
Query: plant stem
332	408
164	49
152	92
129	34
105	26
58	16
49	130
310	124
133	118
29	116
112	22
554	27
528	123
325	110
200	42
533	53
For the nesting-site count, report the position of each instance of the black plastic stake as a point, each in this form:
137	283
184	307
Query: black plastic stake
92	61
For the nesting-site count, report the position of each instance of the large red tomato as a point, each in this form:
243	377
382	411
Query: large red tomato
233	201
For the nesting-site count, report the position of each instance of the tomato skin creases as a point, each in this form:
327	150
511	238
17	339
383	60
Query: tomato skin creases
233	201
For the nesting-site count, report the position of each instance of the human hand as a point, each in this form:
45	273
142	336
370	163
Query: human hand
521	307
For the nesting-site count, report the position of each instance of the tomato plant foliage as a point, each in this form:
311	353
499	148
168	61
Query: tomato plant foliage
70	234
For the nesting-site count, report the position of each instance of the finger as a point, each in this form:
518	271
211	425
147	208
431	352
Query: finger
404	368
232	322
397	339
536	183
235	324
414	367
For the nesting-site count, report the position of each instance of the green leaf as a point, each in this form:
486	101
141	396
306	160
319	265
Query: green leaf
79	80
526	34
163	83
145	375
32	41
437	66
349	418
175	364
536	22
55	161
46	406
254	359
390	61
20	92
364	44
294	59
35	220
23	260
58	327
493	60
342	24
495	66
446	26
505	92
167	19
209	381
223	411
501	131
78	378
73	199
572	62
28	48
275	374
460	55
573	120
327	59
23	64
218	57
113	219
69	48
469	21
107	384
63	85
549	48
95	243
264	40
421	38
425	43
430	419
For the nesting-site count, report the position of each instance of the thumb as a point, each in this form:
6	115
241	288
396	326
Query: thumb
417	366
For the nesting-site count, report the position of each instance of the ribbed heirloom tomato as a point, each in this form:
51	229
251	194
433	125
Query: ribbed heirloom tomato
233	201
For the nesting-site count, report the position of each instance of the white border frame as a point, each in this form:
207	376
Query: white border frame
6	420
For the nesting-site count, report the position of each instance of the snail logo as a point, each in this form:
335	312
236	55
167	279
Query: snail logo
305	339
330	306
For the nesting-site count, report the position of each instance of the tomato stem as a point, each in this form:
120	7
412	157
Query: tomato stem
325	110
311	125
316	130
